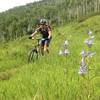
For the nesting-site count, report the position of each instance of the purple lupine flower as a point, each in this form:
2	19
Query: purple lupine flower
66	52
90	33
65	45
89	42
66	42
83	54
83	64
82	69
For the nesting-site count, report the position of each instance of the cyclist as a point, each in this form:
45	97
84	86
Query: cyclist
45	31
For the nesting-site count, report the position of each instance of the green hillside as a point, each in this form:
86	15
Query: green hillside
52	77
18	21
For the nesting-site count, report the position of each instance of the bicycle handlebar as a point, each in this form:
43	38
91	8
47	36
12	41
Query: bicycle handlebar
30	37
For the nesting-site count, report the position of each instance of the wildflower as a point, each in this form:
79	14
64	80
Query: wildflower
65	45
82	70
83	54
89	42
66	42
83	62
90	33
66	52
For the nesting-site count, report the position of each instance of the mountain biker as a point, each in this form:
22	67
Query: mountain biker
45	31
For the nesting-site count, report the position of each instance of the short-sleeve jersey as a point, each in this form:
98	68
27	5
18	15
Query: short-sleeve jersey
44	32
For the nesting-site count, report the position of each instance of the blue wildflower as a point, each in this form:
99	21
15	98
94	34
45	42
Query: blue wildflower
66	52
82	69
90	33
65	45
89	42
83	54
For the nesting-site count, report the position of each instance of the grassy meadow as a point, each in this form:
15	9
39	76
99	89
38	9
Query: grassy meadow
52	77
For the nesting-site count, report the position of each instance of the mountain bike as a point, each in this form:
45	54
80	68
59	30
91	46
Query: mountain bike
34	52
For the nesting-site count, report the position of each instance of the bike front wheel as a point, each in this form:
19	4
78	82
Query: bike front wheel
32	55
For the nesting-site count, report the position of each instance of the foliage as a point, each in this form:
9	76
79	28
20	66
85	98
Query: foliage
18	21
55	78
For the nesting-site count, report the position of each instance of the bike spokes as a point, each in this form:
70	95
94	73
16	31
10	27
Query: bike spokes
33	55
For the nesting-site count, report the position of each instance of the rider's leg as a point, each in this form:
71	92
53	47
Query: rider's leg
42	47
46	46
42	50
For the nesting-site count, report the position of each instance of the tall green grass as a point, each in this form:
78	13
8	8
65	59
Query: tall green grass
52	77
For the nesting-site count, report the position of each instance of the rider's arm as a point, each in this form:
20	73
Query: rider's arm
36	31
50	33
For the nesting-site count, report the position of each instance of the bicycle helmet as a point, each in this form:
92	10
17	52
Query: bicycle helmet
43	22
